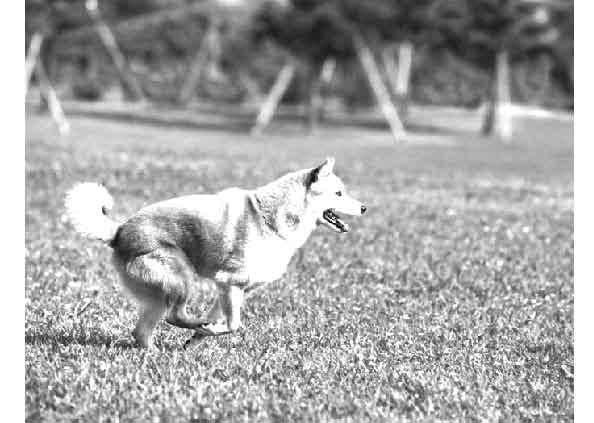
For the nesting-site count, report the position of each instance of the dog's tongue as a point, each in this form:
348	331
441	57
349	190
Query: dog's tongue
334	220
344	227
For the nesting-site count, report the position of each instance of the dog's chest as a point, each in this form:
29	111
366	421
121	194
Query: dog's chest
267	260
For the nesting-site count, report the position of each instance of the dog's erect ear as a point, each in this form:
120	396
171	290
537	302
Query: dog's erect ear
322	170
327	167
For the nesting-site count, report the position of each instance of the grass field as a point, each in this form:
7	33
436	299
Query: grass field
450	300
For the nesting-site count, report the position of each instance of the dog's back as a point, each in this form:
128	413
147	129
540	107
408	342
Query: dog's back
205	228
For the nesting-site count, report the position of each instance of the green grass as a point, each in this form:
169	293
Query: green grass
450	300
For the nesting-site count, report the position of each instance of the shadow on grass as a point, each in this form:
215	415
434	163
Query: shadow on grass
237	126
241	121
427	128
96	340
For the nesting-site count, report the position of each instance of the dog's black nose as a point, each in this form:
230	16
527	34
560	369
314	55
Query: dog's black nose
363	209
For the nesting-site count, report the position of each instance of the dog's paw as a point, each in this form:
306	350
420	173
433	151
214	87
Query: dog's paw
205	329
195	339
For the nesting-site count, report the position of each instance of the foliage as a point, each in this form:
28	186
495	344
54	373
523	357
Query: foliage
55	16
87	89
315	30
466	32
450	300
477	29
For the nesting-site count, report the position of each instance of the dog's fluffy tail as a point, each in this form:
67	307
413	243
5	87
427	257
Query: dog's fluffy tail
86	206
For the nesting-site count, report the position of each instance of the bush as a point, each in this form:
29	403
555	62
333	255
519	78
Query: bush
88	90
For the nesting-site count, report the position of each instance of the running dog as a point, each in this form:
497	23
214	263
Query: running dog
240	239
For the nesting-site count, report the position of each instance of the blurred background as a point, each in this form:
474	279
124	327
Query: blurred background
452	120
253	61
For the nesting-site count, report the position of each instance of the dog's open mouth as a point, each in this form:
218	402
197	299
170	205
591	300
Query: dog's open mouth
334	220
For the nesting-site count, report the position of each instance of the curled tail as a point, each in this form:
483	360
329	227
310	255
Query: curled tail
86	206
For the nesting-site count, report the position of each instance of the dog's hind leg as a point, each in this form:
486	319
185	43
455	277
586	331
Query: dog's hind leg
158	280
150	314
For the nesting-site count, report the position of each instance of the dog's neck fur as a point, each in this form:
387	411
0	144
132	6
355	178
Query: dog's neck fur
282	206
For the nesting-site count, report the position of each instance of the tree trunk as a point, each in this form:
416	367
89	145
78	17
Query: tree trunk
129	82
405	55
379	89
546	64
398	73
319	82
498	119
328	70
32	57
207	46
315	103
274	97
534	85
250	85
390	65
145	22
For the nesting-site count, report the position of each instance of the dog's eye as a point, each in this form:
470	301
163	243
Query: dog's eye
339	193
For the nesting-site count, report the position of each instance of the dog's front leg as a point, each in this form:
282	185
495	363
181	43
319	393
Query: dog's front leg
224	317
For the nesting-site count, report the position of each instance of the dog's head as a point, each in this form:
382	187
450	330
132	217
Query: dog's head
328	196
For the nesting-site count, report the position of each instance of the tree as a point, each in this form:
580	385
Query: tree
313	31
129	82
40	34
492	34
562	50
